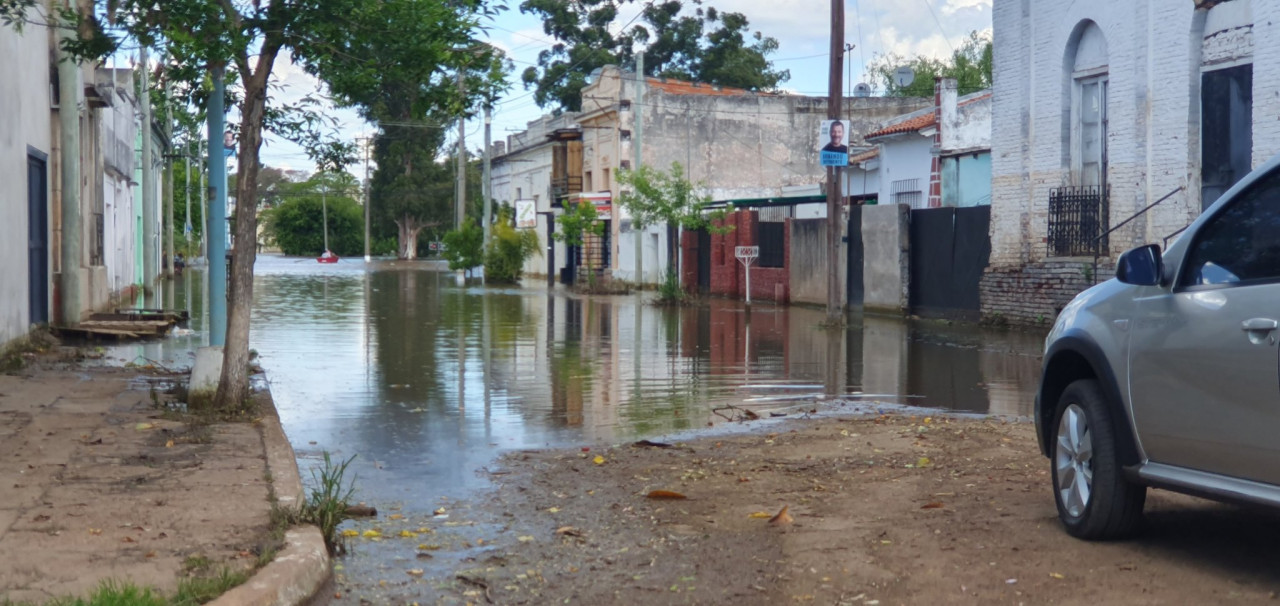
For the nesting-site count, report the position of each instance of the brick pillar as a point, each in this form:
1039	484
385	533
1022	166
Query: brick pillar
935	167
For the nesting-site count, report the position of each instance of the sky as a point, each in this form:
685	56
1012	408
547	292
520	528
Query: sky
802	27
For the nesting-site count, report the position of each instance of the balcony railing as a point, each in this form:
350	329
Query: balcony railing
1078	218
562	187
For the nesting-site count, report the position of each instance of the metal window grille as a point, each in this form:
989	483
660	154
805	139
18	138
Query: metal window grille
772	239
907	191
96	247
1077	217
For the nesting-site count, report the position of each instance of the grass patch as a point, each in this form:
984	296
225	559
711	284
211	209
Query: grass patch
670	292
326	506
16	356
202	589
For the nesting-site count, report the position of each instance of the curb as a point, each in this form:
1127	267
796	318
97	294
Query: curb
300	569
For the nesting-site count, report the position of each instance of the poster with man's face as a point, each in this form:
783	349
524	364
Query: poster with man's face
833	142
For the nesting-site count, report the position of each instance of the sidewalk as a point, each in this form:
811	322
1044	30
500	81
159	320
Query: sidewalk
96	484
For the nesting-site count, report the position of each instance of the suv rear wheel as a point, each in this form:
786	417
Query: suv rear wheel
1094	499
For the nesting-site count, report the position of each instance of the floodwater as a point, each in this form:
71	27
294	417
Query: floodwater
426	382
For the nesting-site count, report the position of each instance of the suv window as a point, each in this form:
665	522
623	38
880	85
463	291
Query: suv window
1242	243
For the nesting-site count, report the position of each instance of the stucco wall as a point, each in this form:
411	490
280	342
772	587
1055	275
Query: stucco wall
24	106
809	259
905	156
886	259
524	171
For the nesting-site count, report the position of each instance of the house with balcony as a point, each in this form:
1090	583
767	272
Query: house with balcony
1103	109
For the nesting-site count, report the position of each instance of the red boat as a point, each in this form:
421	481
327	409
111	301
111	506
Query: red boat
327	257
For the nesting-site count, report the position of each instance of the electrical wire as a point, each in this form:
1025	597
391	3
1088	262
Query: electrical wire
945	38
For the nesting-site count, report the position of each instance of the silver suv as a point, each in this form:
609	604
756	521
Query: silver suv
1168	376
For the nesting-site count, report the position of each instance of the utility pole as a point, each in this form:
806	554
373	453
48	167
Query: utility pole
216	223
368	142
186	225
149	212
461	209
201	151
488	195
834	214
168	132
637	110
69	158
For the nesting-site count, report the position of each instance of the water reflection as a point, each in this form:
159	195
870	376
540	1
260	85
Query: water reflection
427	381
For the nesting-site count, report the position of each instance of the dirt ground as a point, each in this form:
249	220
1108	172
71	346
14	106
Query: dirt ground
97	483
890	509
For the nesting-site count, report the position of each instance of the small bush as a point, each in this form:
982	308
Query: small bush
508	250
327	505
670	292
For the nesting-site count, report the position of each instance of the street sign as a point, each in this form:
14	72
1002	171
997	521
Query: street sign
526	215
746	256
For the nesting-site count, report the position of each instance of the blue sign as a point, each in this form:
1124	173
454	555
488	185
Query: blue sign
830	158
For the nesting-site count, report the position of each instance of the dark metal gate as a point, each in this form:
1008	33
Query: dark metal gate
38	238
704	260
854	282
950	249
1078	216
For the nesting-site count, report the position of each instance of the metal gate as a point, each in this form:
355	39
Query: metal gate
704	261
950	249
38	238
854	282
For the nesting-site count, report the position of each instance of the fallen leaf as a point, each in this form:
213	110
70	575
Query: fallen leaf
395	516
569	531
665	494
760	514
441	511
414	572
1057	575
525	539
168	444
923	462
127	540
371	534
933	505
782	518
350	533
143	426
95	531
408	534
599	460
553	510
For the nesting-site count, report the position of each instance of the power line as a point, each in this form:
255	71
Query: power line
939	23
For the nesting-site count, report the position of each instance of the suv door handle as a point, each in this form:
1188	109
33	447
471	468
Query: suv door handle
1263	325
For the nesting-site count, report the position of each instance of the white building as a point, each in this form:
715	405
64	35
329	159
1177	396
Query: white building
1103	108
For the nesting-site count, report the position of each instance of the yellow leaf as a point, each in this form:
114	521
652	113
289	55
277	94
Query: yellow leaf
143	426
371	534
406	534
441	511
395	516
414	572
525	539
554	510
761	514
168	444
599	460
923	462
844	432
350	533
1057	575
782	518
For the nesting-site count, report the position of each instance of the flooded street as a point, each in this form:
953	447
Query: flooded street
426	383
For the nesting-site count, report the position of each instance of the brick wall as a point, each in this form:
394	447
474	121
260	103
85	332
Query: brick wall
728	276
1035	293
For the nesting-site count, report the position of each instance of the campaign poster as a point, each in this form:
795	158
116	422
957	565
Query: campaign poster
833	143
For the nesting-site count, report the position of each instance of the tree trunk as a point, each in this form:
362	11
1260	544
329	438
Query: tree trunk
233	385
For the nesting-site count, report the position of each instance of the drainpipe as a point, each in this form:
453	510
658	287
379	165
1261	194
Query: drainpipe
69	127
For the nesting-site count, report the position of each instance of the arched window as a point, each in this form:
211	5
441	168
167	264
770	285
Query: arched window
1085	68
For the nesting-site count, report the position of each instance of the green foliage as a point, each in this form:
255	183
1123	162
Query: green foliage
670	291
464	248
326	507
117	593
203	589
581	220
509	248
296	225
970	65
705	46
660	197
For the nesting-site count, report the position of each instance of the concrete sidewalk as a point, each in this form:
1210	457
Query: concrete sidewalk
96	483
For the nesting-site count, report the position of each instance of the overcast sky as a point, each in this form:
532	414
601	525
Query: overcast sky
905	27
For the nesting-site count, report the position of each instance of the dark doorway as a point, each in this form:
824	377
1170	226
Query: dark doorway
854	282
1226	130
950	249
704	261
38	237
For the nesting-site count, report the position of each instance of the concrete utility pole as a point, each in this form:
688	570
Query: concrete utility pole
461	210
69	158
186	225
368	142
168	132
201	153
834	214
216	220
149	212
637	110
488	195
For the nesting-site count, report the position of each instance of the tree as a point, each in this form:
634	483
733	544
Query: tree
582	220
509	248
970	65
296	224
705	46
667	197
464	247
249	36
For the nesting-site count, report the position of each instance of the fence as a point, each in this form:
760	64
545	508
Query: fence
1078	216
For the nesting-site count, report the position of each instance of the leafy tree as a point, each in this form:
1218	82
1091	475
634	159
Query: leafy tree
582	220
249	37
970	65
296	224
655	197
464	247
705	46
509	248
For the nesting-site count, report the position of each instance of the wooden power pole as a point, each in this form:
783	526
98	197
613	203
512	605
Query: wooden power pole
835	310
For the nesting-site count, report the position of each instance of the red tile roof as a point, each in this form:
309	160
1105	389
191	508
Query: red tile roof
922	122
864	156
680	87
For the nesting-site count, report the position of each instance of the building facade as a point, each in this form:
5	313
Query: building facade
1104	108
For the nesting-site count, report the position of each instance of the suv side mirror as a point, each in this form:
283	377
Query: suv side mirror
1141	266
